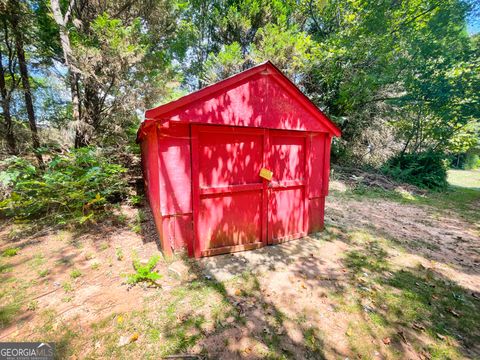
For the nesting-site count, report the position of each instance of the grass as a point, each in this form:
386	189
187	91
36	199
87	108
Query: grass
10	252
460	198
380	299
12	295
408	303
465	178
171	323
75	273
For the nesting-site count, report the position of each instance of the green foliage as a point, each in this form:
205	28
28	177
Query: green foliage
10	252
43	273
73	188
136	200
75	273
469	160
472	161
67	286
145	272
227	62
425	169
119	253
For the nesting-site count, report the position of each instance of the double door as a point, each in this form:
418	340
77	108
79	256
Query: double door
234	207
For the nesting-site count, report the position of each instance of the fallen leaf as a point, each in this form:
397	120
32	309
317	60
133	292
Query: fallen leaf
387	341
125	340
441	337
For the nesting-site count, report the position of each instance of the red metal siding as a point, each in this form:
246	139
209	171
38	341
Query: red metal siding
151	171
287	111
286	206
202	156
242	104
320	168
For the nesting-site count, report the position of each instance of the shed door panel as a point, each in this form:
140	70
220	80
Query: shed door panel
230	206
286	205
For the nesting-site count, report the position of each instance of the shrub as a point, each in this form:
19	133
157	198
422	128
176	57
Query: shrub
425	169
472	161
73	186
145	272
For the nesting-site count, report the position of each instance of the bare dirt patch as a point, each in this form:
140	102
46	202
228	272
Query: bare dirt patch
384	280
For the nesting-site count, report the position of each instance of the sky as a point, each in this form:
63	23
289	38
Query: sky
473	27
473	21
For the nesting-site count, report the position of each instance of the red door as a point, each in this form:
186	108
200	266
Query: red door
229	200
233	207
287	189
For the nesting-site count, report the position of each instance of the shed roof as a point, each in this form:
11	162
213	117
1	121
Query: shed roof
262	87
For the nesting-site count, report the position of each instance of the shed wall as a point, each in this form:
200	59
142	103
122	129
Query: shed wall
259	101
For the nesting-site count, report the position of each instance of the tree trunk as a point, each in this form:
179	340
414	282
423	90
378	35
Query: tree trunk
73	73
22	63
7	117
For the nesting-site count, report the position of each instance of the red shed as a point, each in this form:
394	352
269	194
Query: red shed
237	165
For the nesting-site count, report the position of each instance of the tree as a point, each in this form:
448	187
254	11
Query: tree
108	49
15	17
8	83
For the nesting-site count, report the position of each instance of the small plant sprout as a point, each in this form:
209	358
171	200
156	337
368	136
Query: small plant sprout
75	273
10	252
43	273
67	287
135	200
32	305
144	272
119	253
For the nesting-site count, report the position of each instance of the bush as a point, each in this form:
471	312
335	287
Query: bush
425	169
73	186
466	161
472	161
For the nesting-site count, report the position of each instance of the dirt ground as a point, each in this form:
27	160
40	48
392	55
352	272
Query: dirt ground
387	278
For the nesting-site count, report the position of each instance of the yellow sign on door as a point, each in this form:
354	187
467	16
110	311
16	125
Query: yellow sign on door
266	174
